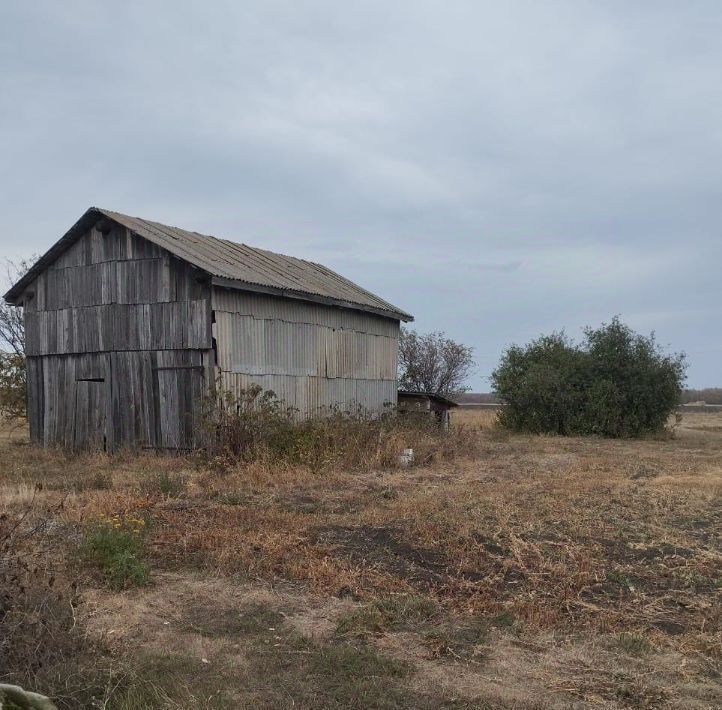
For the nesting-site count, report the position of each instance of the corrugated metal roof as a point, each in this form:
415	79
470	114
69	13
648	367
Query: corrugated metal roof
232	264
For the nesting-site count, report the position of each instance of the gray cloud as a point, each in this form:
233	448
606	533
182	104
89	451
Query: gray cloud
498	169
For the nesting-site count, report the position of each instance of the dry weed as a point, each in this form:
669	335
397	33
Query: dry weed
554	571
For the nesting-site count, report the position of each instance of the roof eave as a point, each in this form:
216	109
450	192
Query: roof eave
304	296
429	395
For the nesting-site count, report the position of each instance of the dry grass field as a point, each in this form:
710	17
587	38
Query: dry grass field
524	572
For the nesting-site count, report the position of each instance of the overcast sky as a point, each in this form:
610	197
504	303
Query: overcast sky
498	169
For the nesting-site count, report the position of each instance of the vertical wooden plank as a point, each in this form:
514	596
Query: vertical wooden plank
90	415
107	366
166	293
117	379
47	374
147	400
31	321
35	402
124	399
66	400
157	437
81	415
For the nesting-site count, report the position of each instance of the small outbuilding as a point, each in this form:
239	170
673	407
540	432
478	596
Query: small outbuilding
130	324
426	403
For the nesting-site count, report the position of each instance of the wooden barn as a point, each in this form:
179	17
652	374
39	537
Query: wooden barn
129	323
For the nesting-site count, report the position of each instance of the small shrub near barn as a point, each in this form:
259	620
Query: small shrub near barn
256	425
616	383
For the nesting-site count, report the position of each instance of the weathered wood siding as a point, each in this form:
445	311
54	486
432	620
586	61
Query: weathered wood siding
145	326
118	338
316	358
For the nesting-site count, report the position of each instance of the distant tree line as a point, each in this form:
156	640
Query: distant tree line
477	398
709	395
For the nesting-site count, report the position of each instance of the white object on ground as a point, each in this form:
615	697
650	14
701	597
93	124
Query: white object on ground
407	457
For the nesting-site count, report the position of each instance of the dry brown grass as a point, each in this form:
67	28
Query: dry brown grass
552	572
483	418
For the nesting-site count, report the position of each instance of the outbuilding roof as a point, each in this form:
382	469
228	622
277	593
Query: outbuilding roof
432	396
230	264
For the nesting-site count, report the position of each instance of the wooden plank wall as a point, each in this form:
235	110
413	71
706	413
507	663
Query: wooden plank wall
118	337
147	326
60	396
165	389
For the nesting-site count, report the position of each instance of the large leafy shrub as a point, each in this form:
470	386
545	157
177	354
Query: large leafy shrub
615	383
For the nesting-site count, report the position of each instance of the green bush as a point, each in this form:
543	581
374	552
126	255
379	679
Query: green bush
13	386
115	547
616	383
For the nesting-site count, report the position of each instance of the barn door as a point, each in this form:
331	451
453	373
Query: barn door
89	429
179	381
83	418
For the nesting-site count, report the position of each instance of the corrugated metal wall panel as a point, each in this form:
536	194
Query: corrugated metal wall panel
263	346
315	358
318	396
295	311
